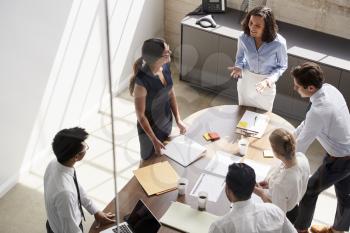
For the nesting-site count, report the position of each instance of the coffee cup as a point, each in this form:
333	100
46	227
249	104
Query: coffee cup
182	185
202	200
243	146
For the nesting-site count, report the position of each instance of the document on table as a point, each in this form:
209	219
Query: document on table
261	170
211	184
220	162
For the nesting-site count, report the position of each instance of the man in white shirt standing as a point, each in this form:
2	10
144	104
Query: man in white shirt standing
64	197
328	121
246	215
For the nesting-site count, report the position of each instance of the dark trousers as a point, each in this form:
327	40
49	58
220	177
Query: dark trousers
333	171
293	214
49	230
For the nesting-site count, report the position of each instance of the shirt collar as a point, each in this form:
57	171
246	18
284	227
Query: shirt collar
317	94
65	169
241	204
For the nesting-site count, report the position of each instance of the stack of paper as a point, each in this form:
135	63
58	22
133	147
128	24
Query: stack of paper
157	178
220	162
252	123
213	185
186	219
184	150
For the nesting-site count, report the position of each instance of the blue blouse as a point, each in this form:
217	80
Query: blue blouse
270	59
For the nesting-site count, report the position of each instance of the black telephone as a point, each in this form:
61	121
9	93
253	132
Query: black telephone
214	6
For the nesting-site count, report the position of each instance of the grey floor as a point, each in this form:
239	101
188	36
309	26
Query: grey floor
22	208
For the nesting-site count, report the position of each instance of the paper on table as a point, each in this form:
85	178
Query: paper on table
261	170
187	219
213	185
220	162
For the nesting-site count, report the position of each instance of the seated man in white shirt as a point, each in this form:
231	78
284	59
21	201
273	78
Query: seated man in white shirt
247	216
328	121
64	197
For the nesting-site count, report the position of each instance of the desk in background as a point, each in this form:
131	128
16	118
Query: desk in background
222	119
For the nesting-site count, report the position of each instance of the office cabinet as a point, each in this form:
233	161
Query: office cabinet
226	85
199	57
284	100
207	52
331	74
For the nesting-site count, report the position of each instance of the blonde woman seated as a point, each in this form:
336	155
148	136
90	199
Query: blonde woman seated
285	184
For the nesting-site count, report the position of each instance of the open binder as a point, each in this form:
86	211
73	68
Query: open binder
253	124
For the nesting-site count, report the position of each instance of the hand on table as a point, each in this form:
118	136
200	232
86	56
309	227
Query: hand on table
235	72
104	218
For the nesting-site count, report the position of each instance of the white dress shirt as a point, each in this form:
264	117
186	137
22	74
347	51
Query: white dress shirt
61	199
328	121
247	216
287	186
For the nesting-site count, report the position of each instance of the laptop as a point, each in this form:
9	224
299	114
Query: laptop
141	220
184	150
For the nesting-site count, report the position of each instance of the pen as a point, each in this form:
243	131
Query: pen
199	181
255	119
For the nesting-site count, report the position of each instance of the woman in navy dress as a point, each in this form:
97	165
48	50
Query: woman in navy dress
154	97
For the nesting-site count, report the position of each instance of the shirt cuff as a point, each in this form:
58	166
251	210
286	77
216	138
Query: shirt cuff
92	209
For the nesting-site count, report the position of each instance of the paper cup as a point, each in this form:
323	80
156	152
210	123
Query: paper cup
243	146
202	200
182	185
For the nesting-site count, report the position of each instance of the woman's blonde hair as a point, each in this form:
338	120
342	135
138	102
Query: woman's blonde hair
283	143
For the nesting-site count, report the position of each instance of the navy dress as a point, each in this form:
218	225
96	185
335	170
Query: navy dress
158	109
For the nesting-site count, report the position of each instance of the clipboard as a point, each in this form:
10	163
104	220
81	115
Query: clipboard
253	124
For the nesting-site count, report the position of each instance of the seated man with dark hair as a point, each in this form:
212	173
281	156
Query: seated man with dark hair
64	197
247	216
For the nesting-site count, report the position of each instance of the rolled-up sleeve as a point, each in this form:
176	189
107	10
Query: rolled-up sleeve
87	202
308	131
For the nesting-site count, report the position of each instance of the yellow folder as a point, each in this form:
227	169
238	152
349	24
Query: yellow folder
157	178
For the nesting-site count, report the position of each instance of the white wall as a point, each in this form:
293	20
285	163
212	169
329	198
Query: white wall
69	78
30	32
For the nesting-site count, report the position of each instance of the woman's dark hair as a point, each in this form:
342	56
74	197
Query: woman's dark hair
308	74
270	29
283	143
68	142
240	179
152	50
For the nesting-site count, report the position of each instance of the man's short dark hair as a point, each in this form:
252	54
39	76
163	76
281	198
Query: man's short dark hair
271	28
68	142
240	179
308	74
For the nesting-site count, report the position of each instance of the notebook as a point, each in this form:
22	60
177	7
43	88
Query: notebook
187	219
141	220
184	150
